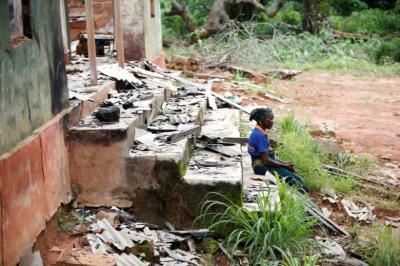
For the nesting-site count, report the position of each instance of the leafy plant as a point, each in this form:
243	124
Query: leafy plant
276	229
388	50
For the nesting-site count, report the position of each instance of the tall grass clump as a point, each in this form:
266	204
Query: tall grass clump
298	146
278	228
385	248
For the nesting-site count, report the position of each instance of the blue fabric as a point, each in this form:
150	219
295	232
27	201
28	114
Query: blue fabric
258	143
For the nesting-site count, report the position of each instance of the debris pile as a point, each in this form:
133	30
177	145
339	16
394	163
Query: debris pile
117	237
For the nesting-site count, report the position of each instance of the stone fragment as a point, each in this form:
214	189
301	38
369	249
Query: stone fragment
108	114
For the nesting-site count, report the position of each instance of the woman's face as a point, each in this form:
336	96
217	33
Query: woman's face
268	122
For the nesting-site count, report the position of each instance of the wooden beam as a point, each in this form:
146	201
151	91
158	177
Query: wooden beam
90	41
118	37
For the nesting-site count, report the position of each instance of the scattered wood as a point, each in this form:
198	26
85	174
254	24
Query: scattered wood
257	76
276	98
184	133
194	84
234	140
325	221
338	171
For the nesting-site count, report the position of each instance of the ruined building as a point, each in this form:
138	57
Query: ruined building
35	112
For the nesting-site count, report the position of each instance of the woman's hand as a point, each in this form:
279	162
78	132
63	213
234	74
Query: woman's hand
291	167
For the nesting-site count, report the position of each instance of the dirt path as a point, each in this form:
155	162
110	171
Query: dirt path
364	112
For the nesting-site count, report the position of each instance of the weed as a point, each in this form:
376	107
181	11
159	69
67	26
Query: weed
68	220
290	260
343	184
385	247
276	229
298	146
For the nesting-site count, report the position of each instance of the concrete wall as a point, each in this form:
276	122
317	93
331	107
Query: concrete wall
152	31
133	29
33	85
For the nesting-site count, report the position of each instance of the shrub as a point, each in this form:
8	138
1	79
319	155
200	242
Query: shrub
388	50
346	7
370	21
268	234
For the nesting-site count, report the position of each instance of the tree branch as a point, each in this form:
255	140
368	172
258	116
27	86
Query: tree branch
180	10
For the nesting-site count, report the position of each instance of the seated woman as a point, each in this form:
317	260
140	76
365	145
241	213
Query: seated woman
262	156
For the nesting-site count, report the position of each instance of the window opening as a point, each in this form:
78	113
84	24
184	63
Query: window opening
20	21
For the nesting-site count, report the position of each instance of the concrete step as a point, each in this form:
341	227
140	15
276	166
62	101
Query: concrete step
156	165
209	171
98	150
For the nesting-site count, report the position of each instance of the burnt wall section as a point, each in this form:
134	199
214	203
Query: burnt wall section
33	86
132	21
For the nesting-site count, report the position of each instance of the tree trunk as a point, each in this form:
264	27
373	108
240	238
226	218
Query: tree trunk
218	15
308	16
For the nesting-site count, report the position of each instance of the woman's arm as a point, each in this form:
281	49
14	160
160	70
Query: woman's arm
270	162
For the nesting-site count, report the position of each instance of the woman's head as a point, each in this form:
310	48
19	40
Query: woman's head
263	116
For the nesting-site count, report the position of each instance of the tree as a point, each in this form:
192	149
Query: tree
218	15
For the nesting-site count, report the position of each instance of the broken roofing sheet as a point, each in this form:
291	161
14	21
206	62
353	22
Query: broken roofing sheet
177	120
132	242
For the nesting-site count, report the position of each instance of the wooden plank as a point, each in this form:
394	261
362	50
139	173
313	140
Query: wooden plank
91	41
118	33
336	170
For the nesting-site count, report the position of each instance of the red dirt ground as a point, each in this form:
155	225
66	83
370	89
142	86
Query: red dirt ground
364	110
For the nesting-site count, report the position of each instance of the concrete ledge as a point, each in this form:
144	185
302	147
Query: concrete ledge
80	109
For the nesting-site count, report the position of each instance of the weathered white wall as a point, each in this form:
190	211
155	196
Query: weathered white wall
152	30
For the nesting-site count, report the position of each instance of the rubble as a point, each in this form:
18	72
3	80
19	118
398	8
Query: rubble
364	214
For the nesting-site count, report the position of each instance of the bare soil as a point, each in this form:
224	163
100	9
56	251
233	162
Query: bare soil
364	111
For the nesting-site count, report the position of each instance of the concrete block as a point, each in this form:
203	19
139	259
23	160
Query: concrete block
23	202
97	162
55	166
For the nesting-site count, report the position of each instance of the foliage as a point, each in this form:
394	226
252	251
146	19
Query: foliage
385	247
388	50
346	7
302	51
298	146
277	229
369	22
293	261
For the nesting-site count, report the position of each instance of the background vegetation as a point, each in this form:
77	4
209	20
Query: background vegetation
356	35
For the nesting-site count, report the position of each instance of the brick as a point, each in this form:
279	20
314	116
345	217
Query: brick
23	202
55	166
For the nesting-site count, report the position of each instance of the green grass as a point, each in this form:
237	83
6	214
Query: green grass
384	250
299	147
267	235
369	22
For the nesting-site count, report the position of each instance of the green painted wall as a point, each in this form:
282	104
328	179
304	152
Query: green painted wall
33	86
